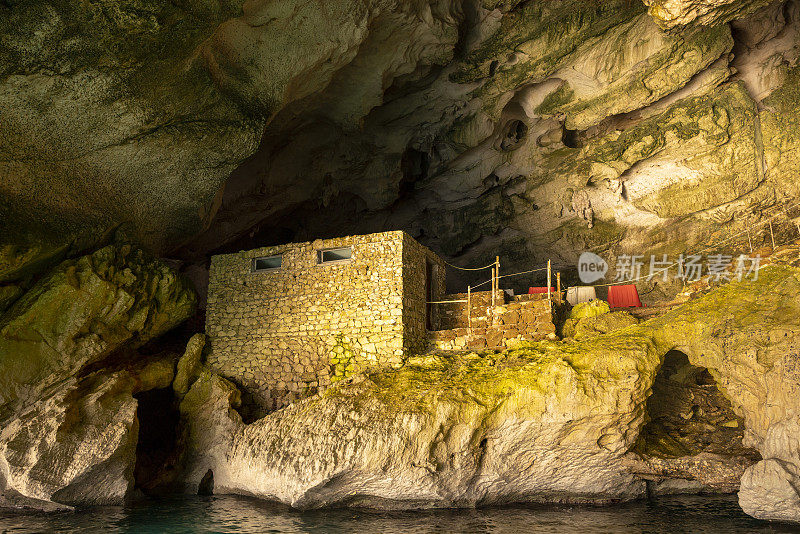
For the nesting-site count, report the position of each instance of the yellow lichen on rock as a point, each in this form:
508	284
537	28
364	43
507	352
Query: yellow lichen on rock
553	421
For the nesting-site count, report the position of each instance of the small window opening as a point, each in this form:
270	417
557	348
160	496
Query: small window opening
268	263
334	254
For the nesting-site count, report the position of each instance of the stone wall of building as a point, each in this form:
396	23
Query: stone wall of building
286	333
415	259
506	325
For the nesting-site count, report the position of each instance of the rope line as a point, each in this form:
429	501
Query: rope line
482	283
470	268
687	221
780	210
523	272
509	274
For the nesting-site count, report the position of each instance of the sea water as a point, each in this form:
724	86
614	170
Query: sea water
673	515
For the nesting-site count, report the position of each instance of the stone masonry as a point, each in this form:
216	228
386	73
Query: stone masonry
285	333
507	324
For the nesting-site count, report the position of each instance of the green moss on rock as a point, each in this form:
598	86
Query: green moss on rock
589	309
343	359
82	311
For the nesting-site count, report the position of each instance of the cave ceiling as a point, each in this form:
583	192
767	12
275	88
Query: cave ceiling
482	128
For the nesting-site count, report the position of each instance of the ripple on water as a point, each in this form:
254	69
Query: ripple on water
237	514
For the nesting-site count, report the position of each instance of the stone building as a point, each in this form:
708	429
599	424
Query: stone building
286	320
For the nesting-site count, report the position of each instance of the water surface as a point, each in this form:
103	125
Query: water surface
717	514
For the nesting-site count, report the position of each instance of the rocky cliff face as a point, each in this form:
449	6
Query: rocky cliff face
68	373
528	129
672	138
555	422
479	127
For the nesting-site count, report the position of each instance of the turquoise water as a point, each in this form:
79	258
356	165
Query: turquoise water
235	514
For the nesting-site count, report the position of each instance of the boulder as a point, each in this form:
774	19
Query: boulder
439	432
78	445
81	312
189	364
68	375
578	328
593	308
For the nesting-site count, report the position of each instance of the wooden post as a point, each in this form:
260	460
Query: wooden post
558	286
772	235
548	281
497	274
469	310
493	291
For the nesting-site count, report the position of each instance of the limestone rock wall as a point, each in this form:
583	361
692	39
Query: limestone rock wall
68	423
78	445
286	333
552	422
471	126
83	311
676	137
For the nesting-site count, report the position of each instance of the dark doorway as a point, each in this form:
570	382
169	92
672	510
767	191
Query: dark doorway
157	451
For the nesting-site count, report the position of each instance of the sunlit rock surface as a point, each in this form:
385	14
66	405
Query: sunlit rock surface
78	445
81	312
677	13
555	422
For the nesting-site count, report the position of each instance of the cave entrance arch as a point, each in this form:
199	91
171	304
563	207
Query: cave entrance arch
692	440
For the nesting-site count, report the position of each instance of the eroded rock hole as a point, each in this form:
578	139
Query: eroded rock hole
158	447
251	409
570	138
693	439
415	165
516	131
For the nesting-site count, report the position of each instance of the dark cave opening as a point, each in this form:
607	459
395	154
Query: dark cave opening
693	434
158	447
515	133
250	409
414	165
570	138
689	414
